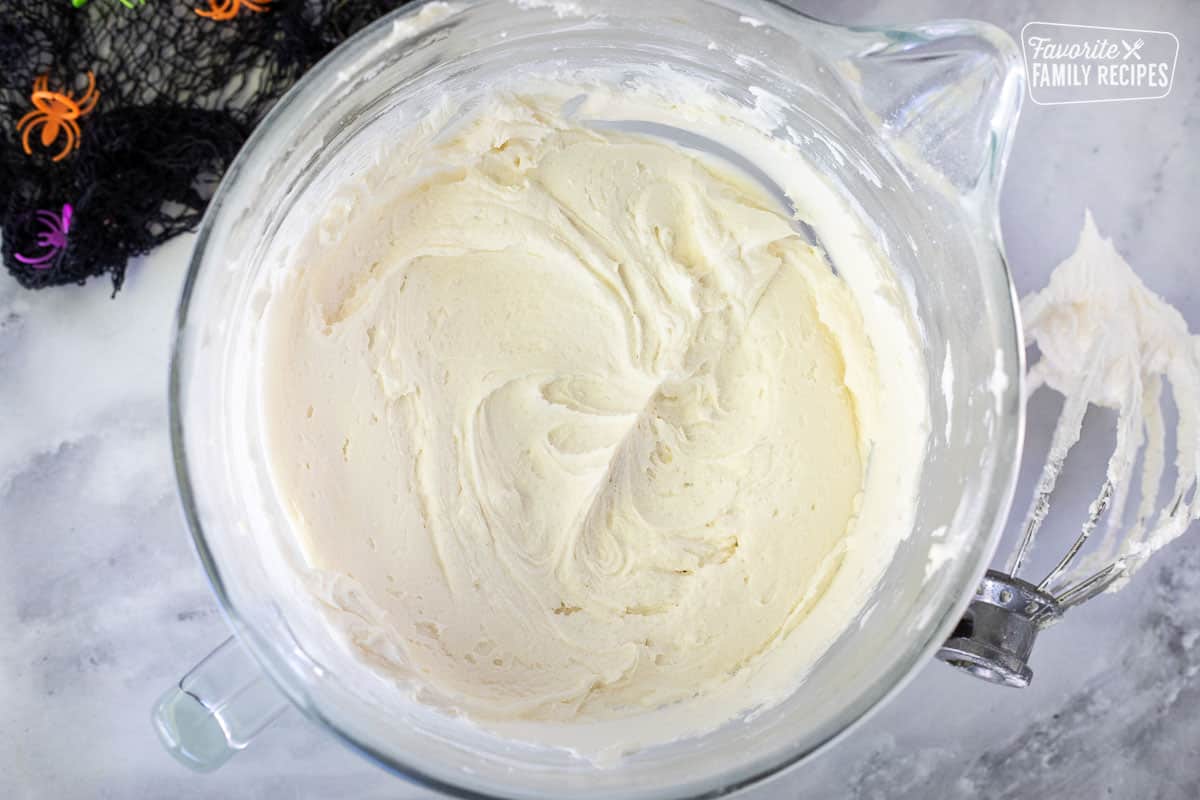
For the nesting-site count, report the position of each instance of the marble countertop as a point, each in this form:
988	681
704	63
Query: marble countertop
104	603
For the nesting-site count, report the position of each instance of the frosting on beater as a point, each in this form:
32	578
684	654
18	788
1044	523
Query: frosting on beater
1107	340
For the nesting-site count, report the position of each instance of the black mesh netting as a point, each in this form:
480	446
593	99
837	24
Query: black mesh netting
177	95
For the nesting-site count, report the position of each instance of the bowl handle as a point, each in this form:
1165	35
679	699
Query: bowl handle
217	708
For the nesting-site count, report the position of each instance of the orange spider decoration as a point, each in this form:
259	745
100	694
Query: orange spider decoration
56	112
228	9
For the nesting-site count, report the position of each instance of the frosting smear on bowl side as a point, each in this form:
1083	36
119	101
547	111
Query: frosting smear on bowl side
574	423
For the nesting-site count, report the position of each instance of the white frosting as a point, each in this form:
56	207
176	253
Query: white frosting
572	423
1107	340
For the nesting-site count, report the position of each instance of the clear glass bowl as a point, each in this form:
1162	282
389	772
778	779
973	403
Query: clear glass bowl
912	124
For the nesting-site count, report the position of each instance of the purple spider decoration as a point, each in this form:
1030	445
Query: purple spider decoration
53	236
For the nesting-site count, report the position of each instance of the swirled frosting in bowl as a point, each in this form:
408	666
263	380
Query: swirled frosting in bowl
574	423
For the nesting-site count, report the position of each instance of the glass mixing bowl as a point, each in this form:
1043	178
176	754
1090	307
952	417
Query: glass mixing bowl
911	124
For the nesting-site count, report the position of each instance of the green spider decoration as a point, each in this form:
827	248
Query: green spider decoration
126	3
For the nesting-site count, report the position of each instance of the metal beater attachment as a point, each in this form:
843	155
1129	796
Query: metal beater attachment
1105	340
996	634
995	637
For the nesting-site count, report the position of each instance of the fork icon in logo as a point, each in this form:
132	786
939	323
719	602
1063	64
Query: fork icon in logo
1132	49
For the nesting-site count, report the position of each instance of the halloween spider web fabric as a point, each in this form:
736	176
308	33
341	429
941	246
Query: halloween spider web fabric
178	93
